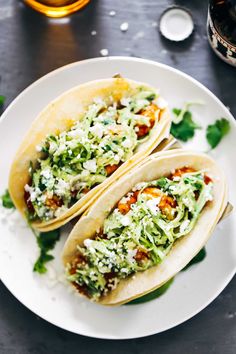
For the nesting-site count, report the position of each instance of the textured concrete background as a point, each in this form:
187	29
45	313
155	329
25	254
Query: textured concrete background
31	46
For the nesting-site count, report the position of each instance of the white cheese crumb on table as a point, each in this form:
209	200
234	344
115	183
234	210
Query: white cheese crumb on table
124	26
104	52
112	13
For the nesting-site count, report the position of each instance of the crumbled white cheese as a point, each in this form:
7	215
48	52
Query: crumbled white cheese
124	200
38	148
208	192
33	196
120	153
104	52
152	204
116	158
61	148
34	193
84	173
114	285
52	146
160	102
188	203
46	173
139	186
125	101
43	198
176	178
99	101
61	210
77	133
62	187
124	270
28	188
125	221
88	243
127	143
184	225
90	165
124	26
97	130
142	103
130	255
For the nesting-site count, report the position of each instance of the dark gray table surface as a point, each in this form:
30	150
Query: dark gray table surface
32	45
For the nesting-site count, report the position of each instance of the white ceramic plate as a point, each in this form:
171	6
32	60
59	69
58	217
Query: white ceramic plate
44	295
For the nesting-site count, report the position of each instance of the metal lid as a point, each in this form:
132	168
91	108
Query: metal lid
176	23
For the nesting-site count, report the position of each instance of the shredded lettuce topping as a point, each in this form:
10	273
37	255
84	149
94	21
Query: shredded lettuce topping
72	163
140	231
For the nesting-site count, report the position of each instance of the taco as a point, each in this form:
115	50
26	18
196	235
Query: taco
146	227
80	144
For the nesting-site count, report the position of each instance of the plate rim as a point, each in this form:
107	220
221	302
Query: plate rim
159	65
114	58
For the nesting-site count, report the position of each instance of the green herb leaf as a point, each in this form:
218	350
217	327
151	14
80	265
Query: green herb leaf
46	242
6	200
2	100
197	259
151	97
185	129
153	295
39	265
215	132
176	111
162	182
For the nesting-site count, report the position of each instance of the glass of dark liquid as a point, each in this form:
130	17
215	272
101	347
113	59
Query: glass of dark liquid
221	29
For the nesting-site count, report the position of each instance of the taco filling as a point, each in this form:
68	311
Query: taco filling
73	162
140	231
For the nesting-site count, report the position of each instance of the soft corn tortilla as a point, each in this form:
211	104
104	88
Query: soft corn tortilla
183	250
59	116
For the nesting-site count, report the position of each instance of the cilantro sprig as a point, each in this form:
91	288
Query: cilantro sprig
2	100
46	242
7	201
183	126
215	132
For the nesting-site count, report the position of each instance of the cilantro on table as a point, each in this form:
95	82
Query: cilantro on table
215	132
46	242
2	100
183	127
6	200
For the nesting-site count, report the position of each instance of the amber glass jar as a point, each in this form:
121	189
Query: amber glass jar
56	8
